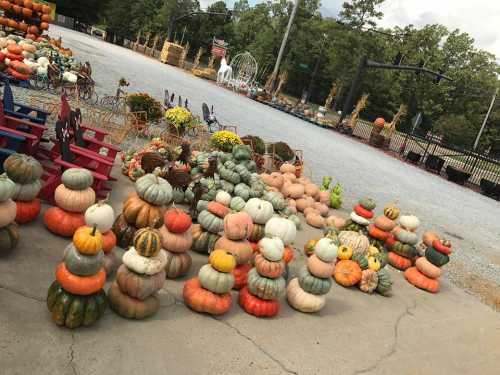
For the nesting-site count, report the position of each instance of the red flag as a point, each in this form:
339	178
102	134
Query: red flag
65	108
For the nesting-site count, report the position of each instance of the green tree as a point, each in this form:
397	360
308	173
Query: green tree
87	11
359	13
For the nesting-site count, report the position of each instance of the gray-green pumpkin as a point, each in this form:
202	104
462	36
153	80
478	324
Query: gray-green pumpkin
243	191
7	188
154	190
82	265
242	152
227	186
77	179
265	288
204	242
229	175
435	257
237	204
27	192
210	222
361	260
202	205
312	284
215	281
178	196
276	199
296	220
244	173
384	285
405	250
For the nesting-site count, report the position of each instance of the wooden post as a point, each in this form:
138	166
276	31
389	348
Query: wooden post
197	59
211	62
185	52
362	103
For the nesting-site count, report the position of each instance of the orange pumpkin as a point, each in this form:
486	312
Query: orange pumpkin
266	268
241	250
27	12
240	274
45	9
37	7
429	237
218	209
287	168
80	285
382	222
141	214
377	233
294	191
398	262
177	221
238	226
33	30
421	281
288	254
12	23
44	26
5	5
46	18
14	49
347	273
203	300
27	211
17	9
304	203
108	241
23	26
62	222
315	220
311	189
28	4
256	306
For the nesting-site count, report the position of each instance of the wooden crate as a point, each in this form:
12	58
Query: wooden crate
171	53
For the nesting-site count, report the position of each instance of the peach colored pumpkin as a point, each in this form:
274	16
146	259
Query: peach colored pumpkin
303	203
290	177
335	221
427	268
323	197
8	211
429	237
321	208
311	190
175	243
319	268
265	177
292	203
287	168
303	181
241	250
382	222
311	210
315	221
276	180
272	189
74	200
294	191
238	226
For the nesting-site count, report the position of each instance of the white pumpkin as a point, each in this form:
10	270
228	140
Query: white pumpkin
142	265
259	210
272	249
100	214
359	219
282	228
410	222
405	236
223	198
326	250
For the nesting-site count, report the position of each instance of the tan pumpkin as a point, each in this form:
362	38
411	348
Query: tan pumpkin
139	286
323	197
265	177
241	250
141	214
382	222
356	241
335	222
369	281
319	268
267	268
303	181
427	268
294	191
288	168
8	211
311	189
289	177
177	265
74	200
321	208
302	301
415	277
429	237
311	210
175	242
238	226
315	221
276	180
304	203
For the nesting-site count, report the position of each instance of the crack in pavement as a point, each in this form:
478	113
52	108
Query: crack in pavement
409	311
22	294
72	355
262	350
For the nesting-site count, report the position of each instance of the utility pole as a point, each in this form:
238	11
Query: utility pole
476	143
283	43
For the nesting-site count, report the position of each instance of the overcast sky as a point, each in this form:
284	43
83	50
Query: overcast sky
479	18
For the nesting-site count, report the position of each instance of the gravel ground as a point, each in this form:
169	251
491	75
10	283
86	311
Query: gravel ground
362	170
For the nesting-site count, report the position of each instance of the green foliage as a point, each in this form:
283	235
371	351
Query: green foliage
283	151
257	143
144	102
327	180
336	196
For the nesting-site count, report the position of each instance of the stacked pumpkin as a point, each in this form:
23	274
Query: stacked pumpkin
26	16
76	298
265	282
102	215
9	234
210	224
73	197
14	59
361	215
176	239
26	173
380	232
134	293
427	271
402	250
307	292
144	208
210	292
237	228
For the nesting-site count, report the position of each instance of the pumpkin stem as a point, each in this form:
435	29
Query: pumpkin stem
94	229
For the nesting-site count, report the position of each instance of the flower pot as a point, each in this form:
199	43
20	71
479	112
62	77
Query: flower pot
413	157
434	164
456	175
178	131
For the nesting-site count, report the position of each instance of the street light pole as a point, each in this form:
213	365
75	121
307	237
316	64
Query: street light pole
476	143
283	43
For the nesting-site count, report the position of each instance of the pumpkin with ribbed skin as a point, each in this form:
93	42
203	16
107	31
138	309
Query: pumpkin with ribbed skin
210	222
320	269
202	300
177	265
87	240
436	258
443	246
81	285
383	223
223	197
218	209
74	200
361	259
77	178
257	233
237	204
356	241
222	261
129	307
257	306
176	243
238	226
429	237
22	169
309	246
141	214
369	281
374	263
427	268
139	286
391	212
407	237
154	190
272	249
73	311
399	262
269	269
302	301
143	265
241	250
384	285
344	253
61	222
414	277
259	210
112	260
326	250
294	191
347	273
281	228
124	232
27	211
367	203
177	221
178	196
275	180
7	187
240	274
379	234
264	287
405	250
8	211
203	241
313	284
215	281
9	237
409	222
276	199
147	242
363	212
100	214
80	264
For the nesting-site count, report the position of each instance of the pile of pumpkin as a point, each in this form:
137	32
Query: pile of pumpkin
35	17
9	233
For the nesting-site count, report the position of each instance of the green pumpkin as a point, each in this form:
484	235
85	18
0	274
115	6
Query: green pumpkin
244	173
405	250
237	204
250	165
384	285
195	171
178	196
77	179
368	204
242	152
82	265
209	195
224	157
229	175
296	220
243	191
332	233
202	205
312	284
435	257
227	186
22	169
377	243
9	237
276	199
210	222
382	258
188	195
265	288
355	227
257	233
361	260
215	281
204	242
73	311
230	165
154	190
27	192
7	188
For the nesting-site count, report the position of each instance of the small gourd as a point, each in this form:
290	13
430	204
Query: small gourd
88	240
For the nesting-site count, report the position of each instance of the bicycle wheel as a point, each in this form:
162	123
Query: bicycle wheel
93	98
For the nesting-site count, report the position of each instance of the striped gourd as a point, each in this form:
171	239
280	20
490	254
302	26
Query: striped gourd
147	242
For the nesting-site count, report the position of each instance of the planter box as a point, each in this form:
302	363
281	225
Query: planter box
490	189
434	164
413	157
457	176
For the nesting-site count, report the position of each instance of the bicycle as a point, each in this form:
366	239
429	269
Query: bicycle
119	100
